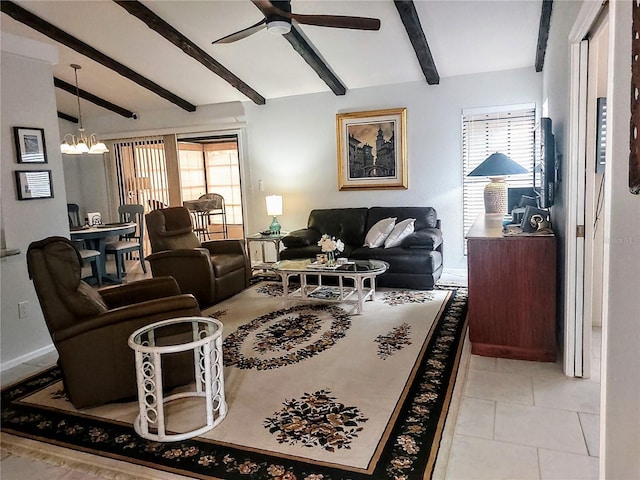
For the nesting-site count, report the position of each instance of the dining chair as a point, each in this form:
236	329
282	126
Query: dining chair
156	204
130	243
89	257
73	212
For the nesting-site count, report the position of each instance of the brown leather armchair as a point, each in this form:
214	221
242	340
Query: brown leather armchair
90	327
211	271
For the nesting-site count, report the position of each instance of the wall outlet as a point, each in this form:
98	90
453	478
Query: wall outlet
22	309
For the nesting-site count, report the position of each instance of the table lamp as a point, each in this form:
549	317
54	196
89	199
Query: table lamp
497	166
274	208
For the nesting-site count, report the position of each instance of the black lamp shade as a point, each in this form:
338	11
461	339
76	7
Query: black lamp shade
497	165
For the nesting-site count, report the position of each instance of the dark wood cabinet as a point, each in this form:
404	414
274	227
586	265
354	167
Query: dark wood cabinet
512	293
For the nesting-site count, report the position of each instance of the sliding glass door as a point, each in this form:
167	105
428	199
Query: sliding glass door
210	165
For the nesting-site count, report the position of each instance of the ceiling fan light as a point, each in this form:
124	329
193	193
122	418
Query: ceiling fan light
279	27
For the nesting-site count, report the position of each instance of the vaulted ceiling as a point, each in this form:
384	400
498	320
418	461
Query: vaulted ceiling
165	48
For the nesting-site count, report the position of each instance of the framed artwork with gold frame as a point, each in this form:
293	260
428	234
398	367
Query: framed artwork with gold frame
372	149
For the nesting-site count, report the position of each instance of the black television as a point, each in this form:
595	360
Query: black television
544	163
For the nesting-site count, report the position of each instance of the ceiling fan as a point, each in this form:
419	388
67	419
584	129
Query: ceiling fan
278	17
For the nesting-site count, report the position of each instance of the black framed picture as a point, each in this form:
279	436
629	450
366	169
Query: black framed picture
30	146
34	184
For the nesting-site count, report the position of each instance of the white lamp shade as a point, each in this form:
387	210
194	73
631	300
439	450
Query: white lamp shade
274	205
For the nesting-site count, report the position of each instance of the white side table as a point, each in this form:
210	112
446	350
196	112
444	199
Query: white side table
263	265
206	345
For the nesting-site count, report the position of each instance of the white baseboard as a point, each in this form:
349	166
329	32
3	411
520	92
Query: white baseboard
462	272
27	357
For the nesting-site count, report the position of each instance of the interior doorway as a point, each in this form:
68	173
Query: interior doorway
211	165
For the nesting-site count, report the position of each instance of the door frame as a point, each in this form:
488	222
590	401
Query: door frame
577	335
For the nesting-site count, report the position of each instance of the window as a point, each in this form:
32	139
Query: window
508	130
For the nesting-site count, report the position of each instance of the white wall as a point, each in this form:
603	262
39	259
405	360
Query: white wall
620	415
620	384
291	146
28	100
85	183
555	94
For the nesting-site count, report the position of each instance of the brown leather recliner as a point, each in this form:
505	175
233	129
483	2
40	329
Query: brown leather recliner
90	327
211	271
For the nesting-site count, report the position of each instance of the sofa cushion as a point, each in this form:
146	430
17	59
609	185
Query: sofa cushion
426	217
379	232
301	238
429	238
401	231
346	224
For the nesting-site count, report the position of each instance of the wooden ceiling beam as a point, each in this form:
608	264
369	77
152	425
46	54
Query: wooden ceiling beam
543	33
24	16
411	22
68	118
304	48
154	22
90	97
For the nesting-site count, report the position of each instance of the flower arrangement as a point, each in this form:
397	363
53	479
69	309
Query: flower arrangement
330	244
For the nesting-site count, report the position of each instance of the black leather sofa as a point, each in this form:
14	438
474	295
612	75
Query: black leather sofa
416	263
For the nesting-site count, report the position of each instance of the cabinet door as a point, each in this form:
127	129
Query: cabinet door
512	308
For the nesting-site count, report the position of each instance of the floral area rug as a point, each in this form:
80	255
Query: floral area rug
313	393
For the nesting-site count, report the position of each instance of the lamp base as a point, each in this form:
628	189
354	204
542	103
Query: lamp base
274	228
495	196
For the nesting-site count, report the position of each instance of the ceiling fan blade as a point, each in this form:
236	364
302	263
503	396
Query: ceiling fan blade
242	33
338	21
335	21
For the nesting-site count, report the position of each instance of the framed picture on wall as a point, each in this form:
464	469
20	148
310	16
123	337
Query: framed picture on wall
372	149
34	184
30	147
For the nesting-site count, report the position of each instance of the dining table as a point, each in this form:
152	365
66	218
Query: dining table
95	238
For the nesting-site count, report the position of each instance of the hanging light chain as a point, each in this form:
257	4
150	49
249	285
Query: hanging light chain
75	70
81	143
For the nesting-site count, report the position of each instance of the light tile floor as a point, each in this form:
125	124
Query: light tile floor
527	420
517	420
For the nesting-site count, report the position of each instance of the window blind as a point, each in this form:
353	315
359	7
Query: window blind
509	131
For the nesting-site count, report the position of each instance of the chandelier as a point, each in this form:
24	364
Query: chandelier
78	144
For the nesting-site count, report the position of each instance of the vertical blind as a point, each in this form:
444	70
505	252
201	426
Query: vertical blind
141	170
141	174
509	131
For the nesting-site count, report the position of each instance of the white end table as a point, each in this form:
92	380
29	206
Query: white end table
263	265
206	345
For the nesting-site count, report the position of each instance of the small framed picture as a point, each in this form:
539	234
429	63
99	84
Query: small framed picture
33	184
30	147
94	218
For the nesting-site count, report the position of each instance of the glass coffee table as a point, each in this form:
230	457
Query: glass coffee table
362	272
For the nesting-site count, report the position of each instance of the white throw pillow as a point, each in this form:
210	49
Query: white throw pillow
379	232
401	231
